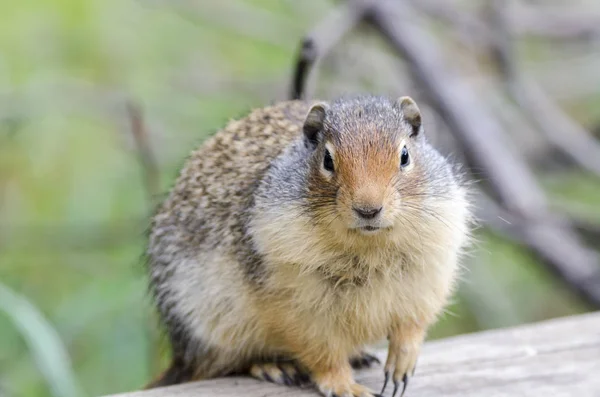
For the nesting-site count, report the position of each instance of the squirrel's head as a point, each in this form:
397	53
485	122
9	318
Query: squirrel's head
369	163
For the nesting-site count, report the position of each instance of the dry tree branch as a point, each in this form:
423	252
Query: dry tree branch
319	42
469	30
144	149
152	181
549	22
556	22
581	81
560	130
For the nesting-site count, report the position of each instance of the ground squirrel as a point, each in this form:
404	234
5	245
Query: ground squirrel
301	233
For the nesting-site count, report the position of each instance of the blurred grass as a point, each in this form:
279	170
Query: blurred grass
44	344
72	203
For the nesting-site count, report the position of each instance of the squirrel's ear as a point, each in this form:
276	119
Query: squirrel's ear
411	112
314	122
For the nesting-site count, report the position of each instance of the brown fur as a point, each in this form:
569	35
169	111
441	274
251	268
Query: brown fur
258	254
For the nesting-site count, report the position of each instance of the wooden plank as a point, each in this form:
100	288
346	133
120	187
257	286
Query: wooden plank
555	358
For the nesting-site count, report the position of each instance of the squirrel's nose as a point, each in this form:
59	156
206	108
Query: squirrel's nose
367	212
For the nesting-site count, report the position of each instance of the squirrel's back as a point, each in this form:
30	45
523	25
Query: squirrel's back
219	177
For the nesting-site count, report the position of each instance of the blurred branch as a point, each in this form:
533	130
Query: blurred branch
556	22
319	42
152	180
47	349
538	152
550	22
582	80
554	241
469	29
560	130
146	156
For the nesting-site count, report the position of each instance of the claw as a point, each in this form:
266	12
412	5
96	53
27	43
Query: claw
287	380
385	382
405	381
268	377
403	352
396	384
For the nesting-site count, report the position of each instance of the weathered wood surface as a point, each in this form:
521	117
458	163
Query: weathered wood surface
555	358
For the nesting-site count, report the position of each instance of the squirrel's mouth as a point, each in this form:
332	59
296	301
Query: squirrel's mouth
369	230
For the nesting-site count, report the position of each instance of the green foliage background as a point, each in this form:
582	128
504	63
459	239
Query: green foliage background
73	209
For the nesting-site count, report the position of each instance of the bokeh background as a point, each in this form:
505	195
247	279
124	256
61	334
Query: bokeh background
80	78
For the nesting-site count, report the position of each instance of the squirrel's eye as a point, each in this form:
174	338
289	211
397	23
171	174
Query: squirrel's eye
404	157
328	161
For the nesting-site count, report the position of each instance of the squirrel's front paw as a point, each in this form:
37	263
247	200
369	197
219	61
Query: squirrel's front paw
340	384
285	373
402	357
401	363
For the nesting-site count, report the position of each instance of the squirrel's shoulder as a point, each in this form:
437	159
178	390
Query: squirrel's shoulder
238	153
220	176
253	139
